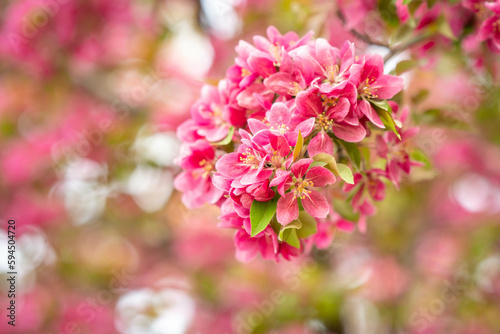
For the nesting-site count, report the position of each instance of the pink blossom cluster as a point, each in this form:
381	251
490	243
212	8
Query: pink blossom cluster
264	144
476	20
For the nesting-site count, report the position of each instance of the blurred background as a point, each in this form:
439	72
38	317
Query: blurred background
91	93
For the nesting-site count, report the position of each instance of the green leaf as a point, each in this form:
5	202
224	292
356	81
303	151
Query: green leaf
286	229
443	27
291	238
228	138
420	156
309	225
298	147
385	112
338	169
381	104
353	151
404	66
317	163
344	208
261	214
345	173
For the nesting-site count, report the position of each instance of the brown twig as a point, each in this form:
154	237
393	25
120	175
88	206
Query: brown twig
364	37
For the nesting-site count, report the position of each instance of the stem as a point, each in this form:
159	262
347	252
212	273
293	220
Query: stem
365	38
404	46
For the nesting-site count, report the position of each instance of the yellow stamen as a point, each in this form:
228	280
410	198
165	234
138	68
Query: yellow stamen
295	90
323	122
301	190
281	128
207	166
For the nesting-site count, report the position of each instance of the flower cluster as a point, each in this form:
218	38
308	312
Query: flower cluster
264	144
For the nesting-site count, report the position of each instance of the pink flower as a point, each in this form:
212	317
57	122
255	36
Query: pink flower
402	11
280	123
275	41
278	88
300	182
195	182
368	188
211	116
490	28
372	83
331	105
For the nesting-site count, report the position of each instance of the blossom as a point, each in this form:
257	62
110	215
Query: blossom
279	122
371	82
300	181
490	28
195	182
263	145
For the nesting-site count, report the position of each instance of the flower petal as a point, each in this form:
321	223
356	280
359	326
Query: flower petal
320	176
349	133
305	127
316	204
279	115
309	104
299	168
288	209
387	86
320	143
367	110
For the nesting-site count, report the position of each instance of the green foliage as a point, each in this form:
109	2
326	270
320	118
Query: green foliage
261	214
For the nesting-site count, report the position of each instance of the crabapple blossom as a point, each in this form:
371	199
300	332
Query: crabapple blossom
270	143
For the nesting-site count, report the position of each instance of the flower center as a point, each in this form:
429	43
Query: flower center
249	159
275	51
295	89
323	122
331	72
301	190
330	101
367	90
207	167
281	128
245	72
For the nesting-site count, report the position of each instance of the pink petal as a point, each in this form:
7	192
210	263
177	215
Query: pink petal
273	34
316	204
281	83
247	247
373	68
280	144
299	168
279	115
256	176
349	133
230	166
305	127
345	225
280	177
288	209
487	28
216	133
369	112
256	125
262	63
309	104
320	176
340	110
348	55
320	143
387	86
265	103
